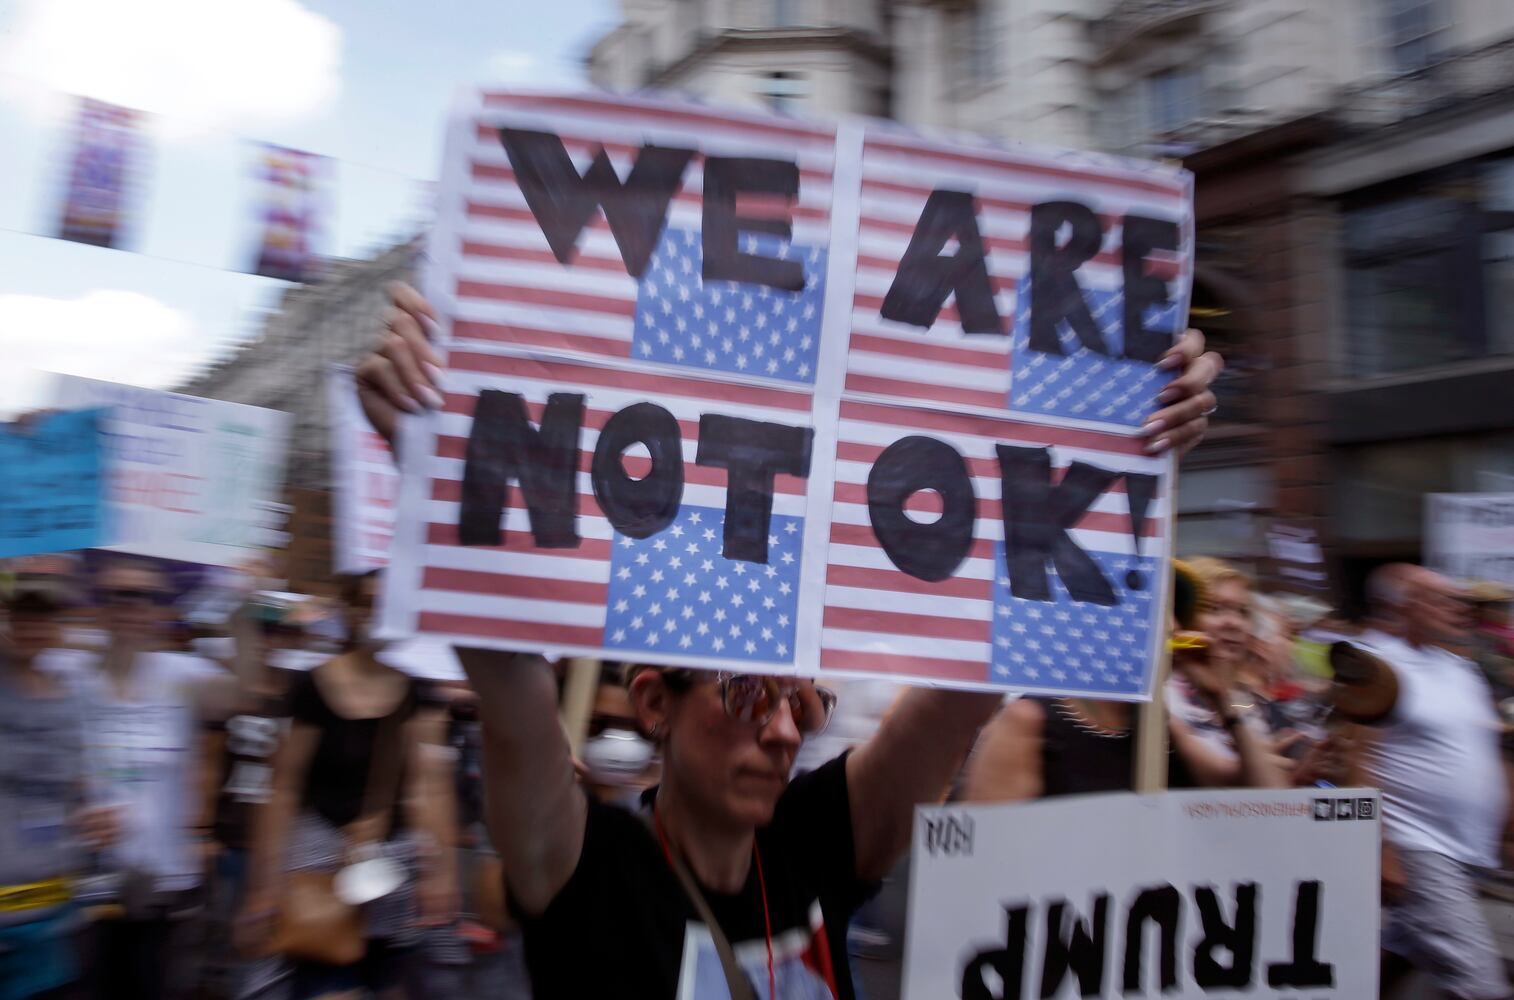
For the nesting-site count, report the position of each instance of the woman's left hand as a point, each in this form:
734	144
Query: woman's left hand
1187	401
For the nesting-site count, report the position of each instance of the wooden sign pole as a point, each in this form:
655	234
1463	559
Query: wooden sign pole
1151	720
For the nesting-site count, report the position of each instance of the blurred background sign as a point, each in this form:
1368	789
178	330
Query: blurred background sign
102	172
1471	535
51	493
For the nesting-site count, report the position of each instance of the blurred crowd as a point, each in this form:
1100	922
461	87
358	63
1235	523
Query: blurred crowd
241	792
178	786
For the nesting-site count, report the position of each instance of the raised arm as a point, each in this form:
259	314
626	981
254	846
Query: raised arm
910	760
1007	765
534	808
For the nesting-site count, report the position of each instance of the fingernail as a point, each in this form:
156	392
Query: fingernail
1157	447
1167	395
433	372
430	397
1152	428
410	405
1170	361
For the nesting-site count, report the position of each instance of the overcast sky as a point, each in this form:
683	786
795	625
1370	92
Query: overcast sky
367	82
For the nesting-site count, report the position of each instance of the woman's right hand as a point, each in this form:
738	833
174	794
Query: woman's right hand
404	373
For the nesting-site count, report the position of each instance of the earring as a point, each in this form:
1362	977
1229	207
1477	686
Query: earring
655	731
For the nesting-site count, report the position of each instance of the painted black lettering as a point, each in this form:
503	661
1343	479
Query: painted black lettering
724	177
1075	946
911	464
1007	963
1304	970
926	276
1037	517
1055	294
563	202
751	452
639	507
1238	938
502	445
1142	290
1161	904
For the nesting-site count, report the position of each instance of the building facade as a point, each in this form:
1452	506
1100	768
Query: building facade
330	321
1351	199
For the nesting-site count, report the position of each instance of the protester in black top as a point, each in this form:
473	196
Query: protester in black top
350	775
602	917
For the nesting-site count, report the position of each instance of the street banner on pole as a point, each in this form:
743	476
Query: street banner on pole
364	480
187	478
735	390
52	493
1179	894
102	172
292	185
1470	536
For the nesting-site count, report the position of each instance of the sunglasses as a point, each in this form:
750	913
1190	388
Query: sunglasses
136	597
753	699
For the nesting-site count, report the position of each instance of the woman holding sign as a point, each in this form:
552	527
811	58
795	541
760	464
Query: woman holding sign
730	878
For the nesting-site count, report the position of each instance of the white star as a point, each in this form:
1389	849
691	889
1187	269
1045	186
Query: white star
770	572
783	621
704	597
767	634
753	584
619	636
703	629
688	579
788	354
657	576
741	361
677	353
638	591
787	557
709	534
739	569
772	367
636	622
784	588
652	638
676	562
656	608
706	565
758	350
641	558
751	618
744	334
720	614
709	357
687	612
720	582
734	631
622	606
719	644
691	548
672	594
768	604
659	544
676	531
791	527
772	539
624	573
783	649
737	600
685	642
625	541
751	647
669	625
806	342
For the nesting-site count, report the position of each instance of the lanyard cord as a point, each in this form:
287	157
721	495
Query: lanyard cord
767	920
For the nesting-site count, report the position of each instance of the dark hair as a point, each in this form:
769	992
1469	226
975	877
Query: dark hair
350	585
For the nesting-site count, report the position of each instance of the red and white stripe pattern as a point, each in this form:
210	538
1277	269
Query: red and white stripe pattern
943	366
517	594
881	620
510	289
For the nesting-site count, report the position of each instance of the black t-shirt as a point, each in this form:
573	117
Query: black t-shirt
621	925
252	736
337	781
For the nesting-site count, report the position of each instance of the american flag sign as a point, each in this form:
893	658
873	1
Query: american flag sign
737	391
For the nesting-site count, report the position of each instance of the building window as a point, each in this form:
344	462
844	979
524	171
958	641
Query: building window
786	13
783	91
1415	34
1430	270
1174	98
980	42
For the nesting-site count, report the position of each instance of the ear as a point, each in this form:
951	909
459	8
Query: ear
652	701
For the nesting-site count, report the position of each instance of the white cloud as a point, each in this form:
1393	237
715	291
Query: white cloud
105	334
517	67
219	64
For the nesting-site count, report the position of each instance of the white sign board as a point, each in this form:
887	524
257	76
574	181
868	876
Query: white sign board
364	479
1470	536
1185	894
187	478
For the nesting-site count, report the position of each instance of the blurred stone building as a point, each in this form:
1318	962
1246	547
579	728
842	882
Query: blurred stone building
1352	195
333	320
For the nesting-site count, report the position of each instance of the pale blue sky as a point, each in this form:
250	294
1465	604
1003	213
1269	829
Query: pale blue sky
367	82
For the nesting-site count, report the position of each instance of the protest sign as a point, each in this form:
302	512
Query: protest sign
734	390
1180	894
364	481
52	493
187	478
1470	536
103	174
